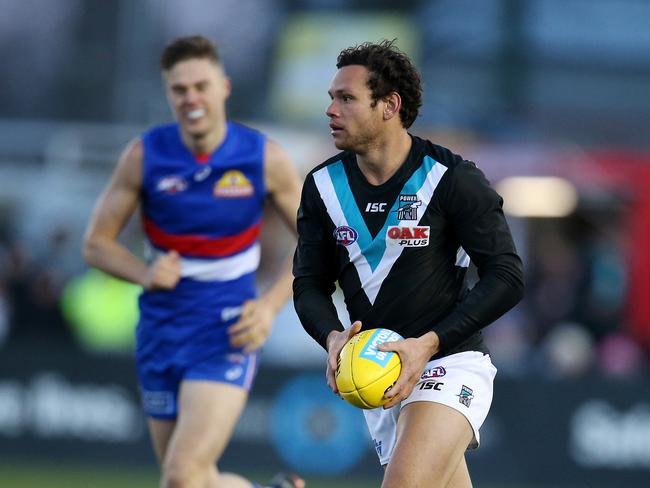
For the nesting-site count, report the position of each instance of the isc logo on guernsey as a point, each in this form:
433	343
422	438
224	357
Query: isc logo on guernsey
416	236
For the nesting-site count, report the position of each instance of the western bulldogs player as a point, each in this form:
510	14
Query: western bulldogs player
201	183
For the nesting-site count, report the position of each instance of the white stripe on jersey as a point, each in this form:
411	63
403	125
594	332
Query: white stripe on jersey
371	281
223	269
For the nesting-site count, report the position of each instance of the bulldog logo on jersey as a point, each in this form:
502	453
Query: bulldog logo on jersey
233	184
408	236
408	207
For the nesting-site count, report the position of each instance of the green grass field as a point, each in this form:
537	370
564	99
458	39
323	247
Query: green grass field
28	476
40	476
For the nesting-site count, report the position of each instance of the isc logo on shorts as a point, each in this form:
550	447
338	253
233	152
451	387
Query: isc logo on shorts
415	236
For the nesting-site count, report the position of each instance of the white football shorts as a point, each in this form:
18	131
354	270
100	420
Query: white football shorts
462	381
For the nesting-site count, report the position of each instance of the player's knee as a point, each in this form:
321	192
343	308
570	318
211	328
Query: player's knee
180	472
407	478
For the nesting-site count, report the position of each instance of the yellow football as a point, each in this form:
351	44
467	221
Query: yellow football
365	373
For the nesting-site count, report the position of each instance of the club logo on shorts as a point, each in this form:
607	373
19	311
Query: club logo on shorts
377	446
416	236
437	372
345	235
465	396
408	207
233	373
158	402
233	184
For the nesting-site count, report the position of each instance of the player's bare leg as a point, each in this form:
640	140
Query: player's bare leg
208	412
431	442
160	431
460	478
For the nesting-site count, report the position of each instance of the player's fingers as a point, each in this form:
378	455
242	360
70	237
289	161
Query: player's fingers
241	336
244	322
173	255
241	339
394	391
254	344
393	346
248	308
331	380
400	389
354	329
396	394
332	360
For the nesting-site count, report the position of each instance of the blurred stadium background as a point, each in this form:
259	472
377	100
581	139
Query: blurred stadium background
550	97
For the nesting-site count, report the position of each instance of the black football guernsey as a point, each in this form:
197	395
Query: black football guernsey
400	250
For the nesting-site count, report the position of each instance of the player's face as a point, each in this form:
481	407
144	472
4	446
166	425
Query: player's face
355	124
197	90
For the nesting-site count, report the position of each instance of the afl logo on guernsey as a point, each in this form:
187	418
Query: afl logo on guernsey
233	184
171	184
345	235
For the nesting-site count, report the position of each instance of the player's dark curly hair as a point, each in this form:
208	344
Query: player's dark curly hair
390	71
190	47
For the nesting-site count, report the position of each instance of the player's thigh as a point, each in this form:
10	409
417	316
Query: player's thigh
431	441
161	432
207	414
460	478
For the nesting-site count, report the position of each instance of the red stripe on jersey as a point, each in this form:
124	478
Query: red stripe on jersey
192	245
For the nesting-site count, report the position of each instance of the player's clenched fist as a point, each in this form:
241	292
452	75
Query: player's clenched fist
164	272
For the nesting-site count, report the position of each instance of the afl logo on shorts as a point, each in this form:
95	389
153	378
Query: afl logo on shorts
345	235
233	184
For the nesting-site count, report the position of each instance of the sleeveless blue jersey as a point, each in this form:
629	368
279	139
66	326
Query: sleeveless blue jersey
210	213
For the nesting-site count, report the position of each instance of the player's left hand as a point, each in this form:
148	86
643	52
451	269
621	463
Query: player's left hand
414	353
253	327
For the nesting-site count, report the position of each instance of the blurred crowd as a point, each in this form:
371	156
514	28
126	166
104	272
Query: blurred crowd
571	323
513	72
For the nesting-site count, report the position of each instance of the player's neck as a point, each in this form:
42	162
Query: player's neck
205	143
382	160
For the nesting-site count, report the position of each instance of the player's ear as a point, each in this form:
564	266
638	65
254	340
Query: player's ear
392	105
227	86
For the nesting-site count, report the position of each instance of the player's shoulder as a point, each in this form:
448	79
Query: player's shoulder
440	154
160	131
243	129
328	162
456	165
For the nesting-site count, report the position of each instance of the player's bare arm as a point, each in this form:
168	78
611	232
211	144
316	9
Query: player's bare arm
283	186
111	214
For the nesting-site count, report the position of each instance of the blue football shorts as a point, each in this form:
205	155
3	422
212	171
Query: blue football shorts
159	388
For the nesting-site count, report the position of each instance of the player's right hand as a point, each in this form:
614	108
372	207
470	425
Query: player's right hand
164	272
335	342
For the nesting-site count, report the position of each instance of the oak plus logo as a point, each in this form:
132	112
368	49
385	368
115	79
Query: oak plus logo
406	236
